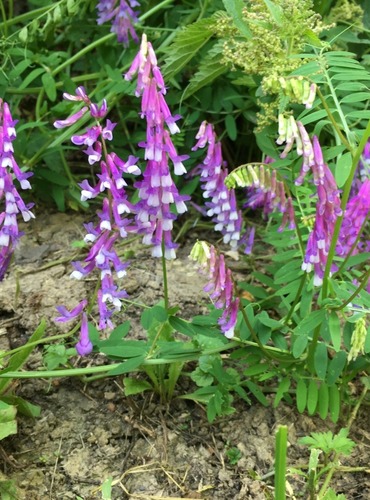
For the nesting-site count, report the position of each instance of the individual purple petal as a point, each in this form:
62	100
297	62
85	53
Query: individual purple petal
67	315
84	345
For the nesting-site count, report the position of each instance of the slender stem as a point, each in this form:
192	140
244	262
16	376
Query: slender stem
253	333
165	279
41	341
297	298
77	372
364	280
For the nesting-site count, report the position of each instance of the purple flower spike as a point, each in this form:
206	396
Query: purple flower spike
113	217
123	18
157	191
220	285
327	211
13	203
222	206
84	345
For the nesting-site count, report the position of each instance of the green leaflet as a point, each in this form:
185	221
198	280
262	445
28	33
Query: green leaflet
209	69
186	45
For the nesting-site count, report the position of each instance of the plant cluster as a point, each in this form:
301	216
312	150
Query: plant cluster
297	329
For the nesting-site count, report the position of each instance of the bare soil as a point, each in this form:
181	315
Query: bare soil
87	434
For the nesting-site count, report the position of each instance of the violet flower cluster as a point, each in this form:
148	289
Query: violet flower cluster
220	286
213	172
122	16
113	222
157	191
355	215
13	203
327	210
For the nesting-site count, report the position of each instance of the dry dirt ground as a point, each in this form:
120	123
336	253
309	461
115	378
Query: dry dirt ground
87	434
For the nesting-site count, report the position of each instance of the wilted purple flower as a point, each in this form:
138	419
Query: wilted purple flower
220	285
13	203
327	211
123	16
113	222
213	172
157	191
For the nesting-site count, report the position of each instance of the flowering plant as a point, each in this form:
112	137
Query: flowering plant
299	317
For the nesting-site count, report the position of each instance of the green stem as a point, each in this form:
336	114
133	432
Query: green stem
364	280
41	341
281	445
340	113
297	298
77	372
165	279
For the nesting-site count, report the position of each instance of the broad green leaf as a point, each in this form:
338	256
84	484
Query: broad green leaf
343	169
234	8
17	360
49	86
308	324
299	345
209	69
356	97
312	397
182	326
8	423
323	400
127	366
276	12
135	386
186	45
24	407
230	125
321	360
335	330
281	390
334	402
301	395
30	77
336	366
127	349
257	393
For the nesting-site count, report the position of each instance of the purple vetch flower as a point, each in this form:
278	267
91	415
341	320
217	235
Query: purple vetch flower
113	218
266	192
84	345
12	200
357	210
69	315
123	18
157	191
213	171
220	286
327	210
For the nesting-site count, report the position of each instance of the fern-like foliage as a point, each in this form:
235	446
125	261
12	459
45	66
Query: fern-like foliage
186	45
346	85
209	69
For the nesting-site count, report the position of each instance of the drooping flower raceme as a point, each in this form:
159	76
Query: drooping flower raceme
213	172
220	286
327	210
123	17
357	210
157	191
113	222
9	195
